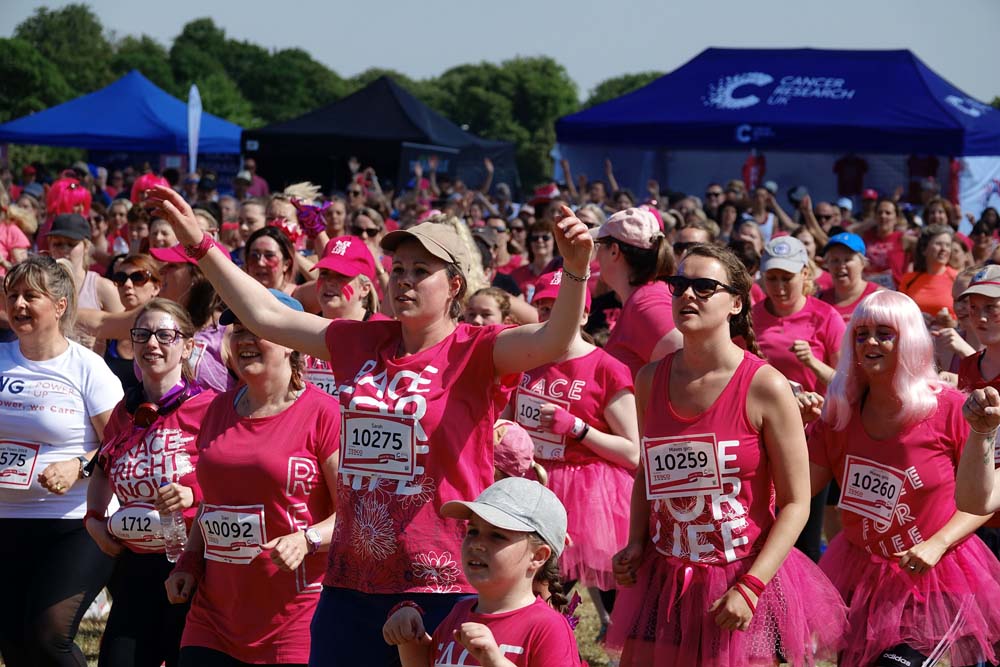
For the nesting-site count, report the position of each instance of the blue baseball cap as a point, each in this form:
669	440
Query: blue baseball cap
228	317
848	240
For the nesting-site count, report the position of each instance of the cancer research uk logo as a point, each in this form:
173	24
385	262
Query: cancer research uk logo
967	105
735	91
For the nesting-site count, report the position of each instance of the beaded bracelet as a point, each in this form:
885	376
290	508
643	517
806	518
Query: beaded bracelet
200	249
572	276
404	603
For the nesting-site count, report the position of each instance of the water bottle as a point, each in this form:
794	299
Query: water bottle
174	534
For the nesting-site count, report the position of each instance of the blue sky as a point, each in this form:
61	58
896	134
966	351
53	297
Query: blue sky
593	40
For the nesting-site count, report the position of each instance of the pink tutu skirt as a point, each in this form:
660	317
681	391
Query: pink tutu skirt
800	618
597	497
958	601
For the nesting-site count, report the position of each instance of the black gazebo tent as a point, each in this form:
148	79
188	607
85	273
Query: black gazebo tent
384	126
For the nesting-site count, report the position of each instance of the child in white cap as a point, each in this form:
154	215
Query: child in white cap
516	529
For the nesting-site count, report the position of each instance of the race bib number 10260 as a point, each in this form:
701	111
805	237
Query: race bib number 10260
870	489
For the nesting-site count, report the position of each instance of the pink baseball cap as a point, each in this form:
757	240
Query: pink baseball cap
348	256
633	226
177	255
547	287
515	452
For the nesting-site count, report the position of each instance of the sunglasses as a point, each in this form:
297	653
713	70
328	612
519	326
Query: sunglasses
499	230
354	193
370	232
703	288
138	278
714	193
540	238
163	336
517	230
681	247
827	216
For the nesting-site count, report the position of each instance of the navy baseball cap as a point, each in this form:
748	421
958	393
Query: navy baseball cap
228	317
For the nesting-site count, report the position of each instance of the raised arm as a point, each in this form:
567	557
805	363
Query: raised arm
977	483
488	181
522	348
252	304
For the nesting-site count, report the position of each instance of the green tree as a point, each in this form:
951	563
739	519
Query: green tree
196	52
617	86
149	57
289	83
221	96
72	38
30	81
995	103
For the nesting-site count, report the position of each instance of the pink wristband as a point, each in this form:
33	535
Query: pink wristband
563	423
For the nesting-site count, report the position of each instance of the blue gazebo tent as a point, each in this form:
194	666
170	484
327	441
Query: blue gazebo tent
801	108
131	114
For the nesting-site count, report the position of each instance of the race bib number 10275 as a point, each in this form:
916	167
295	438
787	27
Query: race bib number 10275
378	445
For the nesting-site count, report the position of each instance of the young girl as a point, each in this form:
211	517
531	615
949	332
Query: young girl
919	584
516	530
580	413
713	577
490	305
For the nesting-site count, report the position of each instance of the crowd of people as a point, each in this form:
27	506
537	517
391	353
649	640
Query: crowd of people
392	426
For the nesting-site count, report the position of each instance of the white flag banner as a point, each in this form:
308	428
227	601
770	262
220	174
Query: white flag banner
979	184
194	127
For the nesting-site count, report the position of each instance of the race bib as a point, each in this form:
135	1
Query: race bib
884	279
548	446
679	466
232	533
17	464
138	525
378	445
323	379
870	489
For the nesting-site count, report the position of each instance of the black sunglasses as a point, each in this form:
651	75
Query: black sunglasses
370	232
712	193
138	278
354	193
535	238
703	287
827	216
681	247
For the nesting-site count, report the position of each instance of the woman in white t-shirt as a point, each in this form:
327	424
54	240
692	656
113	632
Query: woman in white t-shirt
55	399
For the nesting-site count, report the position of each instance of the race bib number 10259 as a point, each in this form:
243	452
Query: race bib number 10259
679	466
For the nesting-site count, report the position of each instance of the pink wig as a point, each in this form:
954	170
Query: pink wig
65	195
915	382
146	182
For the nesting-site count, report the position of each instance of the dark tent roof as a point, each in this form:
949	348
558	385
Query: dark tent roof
131	114
795	100
373	124
381	111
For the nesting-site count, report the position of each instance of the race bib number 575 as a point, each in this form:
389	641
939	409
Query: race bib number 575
17	464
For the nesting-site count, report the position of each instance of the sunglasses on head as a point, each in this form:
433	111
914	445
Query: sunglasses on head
703	288
370	232
138	278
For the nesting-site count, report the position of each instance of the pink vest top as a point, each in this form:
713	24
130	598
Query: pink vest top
707	477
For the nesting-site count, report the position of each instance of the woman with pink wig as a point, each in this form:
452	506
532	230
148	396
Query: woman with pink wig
919	584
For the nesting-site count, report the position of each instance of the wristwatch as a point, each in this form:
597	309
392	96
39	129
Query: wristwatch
313	540
84	467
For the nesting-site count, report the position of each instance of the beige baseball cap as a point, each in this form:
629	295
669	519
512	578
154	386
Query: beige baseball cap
440	240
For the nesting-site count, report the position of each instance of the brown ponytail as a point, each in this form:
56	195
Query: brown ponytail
740	280
647	265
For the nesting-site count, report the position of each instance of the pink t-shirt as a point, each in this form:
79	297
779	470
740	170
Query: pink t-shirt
886	258
707	477
263	476
584	386
817	322
11	237
898	491
532	636
829	297
645	318
757	293
138	461
418	432
824	282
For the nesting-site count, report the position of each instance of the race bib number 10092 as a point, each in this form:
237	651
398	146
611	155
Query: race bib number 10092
232	533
